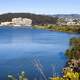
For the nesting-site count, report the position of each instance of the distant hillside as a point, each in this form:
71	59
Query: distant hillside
36	19
69	16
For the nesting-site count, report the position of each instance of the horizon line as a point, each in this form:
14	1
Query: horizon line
42	13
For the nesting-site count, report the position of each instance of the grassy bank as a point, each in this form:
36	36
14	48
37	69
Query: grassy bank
68	29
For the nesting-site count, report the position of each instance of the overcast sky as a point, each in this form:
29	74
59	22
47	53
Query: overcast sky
41	6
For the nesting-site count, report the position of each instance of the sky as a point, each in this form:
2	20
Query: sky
40	6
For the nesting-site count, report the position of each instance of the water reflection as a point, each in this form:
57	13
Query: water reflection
6	36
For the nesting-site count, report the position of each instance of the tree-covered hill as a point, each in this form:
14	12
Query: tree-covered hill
36	19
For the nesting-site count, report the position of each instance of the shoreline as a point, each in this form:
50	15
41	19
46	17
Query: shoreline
45	28
15	26
39	28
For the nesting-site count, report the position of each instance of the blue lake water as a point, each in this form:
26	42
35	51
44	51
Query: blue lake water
19	47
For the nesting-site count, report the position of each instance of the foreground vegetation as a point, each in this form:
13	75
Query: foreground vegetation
72	70
69	29
22	76
74	51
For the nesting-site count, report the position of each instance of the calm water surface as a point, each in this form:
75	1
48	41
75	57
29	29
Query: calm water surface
20	47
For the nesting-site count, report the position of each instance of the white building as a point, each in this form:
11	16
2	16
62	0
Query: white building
71	23
18	22
27	21
22	21
6	23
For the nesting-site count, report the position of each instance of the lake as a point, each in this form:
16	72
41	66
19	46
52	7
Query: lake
22	48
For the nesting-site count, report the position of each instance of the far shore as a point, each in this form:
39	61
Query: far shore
67	29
